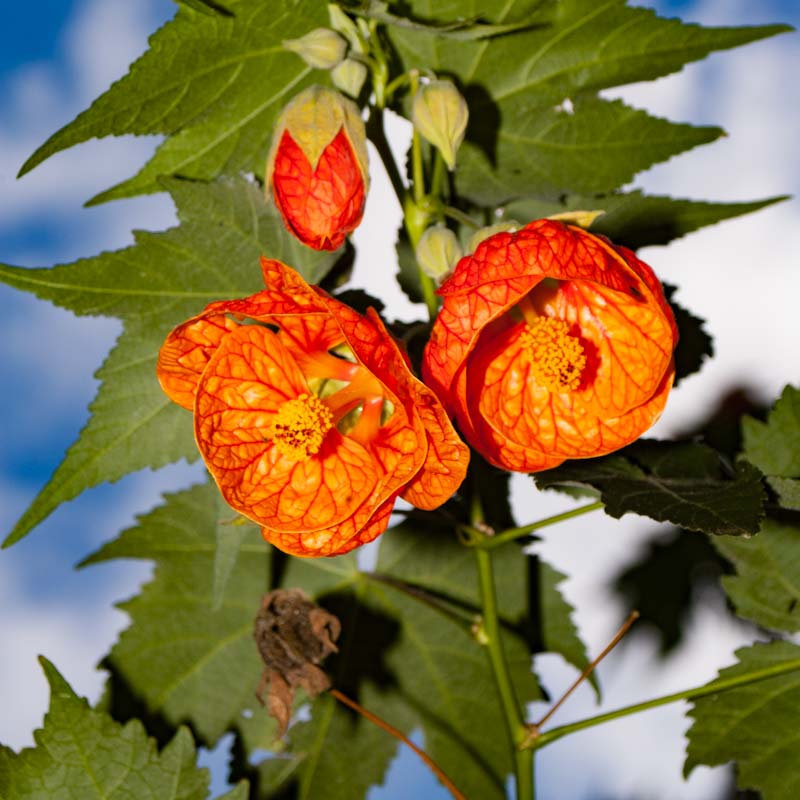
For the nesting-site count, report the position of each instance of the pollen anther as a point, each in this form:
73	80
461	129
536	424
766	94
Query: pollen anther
557	357
300	426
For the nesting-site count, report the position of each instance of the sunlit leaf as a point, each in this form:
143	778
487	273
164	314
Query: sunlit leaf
774	446
84	753
766	586
212	83
755	725
524	138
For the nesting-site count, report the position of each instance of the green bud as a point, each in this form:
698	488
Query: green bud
321	48
349	76
438	252
440	114
343	24
484	233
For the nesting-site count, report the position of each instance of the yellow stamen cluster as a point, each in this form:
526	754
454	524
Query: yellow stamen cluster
557	357
300	425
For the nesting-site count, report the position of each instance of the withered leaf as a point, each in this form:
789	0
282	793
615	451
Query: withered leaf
293	636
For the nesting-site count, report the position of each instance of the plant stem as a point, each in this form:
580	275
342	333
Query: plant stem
508	535
523	765
723	685
390	729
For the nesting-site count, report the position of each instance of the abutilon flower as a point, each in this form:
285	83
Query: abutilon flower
308	417
551	343
317	167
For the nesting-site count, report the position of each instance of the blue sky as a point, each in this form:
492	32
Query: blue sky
56	55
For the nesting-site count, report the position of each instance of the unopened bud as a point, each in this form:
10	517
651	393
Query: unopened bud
438	252
349	76
484	233
317	167
343	24
440	114
582	219
321	48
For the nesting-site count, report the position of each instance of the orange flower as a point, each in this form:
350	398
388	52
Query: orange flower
317	167
309	420
551	344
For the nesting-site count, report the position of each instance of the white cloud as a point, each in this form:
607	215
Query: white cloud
103	38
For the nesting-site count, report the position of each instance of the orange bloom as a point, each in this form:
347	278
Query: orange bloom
317	167
551	344
309	420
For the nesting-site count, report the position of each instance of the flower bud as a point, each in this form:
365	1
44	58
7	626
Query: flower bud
317	167
440	114
321	48
490	230
341	23
349	76
438	252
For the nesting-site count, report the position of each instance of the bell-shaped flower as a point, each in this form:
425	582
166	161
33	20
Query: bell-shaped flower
308	416
317	167
551	343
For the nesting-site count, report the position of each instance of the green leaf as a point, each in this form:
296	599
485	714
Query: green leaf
571	46
212	84
84	753
757	725
559	633
152	286
637	220
598	146
184	660
462	30
206	6
774	446
231	534
522	137
680	482
766	586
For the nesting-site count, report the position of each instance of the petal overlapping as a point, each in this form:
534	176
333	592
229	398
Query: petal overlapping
607	302
308	417
185	354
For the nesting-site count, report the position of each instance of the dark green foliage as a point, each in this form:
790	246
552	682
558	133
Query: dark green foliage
684	483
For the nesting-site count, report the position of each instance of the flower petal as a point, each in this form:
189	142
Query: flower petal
321	204
185	353
334	541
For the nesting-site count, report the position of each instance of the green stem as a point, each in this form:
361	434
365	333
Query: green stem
722	685
510	534
460	216
515	722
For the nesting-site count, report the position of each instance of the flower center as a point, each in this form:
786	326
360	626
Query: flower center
300	425
557	357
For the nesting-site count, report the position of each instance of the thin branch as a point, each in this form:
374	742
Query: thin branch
390	729
510	534
723	685
626	626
